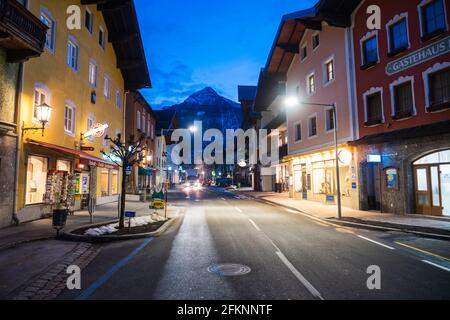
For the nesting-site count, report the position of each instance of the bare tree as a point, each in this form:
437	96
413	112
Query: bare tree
125	154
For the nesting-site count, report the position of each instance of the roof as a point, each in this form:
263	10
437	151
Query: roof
125	36
293	26
164	119
144	102
246	93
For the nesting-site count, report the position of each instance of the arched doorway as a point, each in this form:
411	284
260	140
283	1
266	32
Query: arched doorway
432	184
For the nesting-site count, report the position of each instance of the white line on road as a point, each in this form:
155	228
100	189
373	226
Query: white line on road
254	224
299	276
224	199
378	243
237	209
436	265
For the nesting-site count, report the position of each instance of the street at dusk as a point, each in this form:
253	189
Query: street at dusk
224	159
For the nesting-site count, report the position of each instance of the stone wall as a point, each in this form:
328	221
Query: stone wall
400	155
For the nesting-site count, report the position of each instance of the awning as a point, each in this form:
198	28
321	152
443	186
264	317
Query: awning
145	172
84	157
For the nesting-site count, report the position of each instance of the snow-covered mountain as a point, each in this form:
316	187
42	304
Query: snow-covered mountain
206	105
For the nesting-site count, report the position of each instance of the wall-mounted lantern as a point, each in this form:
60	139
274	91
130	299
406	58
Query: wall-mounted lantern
44	113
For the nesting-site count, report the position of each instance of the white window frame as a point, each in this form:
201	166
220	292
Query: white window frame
396	83
369	35
42	89
107	87
92	62
308	87
327	109
103	30
91	31
368	93
309	126
325	71
393	21
419	10
316	33
72	42
70	105
90	118
426	78
295	132
48	16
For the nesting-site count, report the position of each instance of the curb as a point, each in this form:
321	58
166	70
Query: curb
18	243
110	238
363	225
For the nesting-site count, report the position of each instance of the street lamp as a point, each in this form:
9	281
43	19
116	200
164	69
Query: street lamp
292	101
44	112
193	129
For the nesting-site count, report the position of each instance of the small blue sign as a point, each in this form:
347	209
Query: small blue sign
330	198
353	185
374	158
130	214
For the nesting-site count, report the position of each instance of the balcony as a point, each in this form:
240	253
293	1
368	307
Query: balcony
22	34
283	151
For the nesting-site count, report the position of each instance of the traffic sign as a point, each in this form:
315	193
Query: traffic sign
130	214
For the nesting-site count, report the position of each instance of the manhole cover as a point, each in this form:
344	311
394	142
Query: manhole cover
229	269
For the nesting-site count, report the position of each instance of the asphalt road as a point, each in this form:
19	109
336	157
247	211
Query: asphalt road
291	256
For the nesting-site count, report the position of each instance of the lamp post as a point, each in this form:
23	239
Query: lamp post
293	101
44	112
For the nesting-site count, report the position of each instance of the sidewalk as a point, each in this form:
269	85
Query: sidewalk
415	223
43	229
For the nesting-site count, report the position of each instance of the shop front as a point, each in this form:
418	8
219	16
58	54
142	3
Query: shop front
314	177
53	171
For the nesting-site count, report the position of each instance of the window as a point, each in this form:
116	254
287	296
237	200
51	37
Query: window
51	32
90	124
37	168
143	122
118	99
298	132
138	120
149	128
93	74
63	165
329	119
374	112
439	84
69	119
312	126
304	52
311	84
315	41
433	18
89	20
114	182
323	181
40	97
101	37
107	88
104	182
403	100
329	71
398	36
370	51
72	55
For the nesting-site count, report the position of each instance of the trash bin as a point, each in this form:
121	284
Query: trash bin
60	219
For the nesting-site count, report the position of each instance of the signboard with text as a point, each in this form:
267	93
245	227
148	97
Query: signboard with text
420	56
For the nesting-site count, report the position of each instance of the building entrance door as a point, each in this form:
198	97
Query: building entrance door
373	186
432	184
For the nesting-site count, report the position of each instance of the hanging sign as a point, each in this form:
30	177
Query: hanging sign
97	130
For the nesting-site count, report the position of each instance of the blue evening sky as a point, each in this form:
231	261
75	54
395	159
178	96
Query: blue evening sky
191	44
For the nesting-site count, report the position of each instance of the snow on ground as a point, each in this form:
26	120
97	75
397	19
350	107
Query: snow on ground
135	222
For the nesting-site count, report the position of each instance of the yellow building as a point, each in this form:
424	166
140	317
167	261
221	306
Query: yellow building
83	76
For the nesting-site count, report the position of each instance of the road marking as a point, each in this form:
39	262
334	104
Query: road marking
423	251
376	242
224	199
237	209
106	276
309	216
299	276
436	265
254	224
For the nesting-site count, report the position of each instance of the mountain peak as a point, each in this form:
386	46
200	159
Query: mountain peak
205	96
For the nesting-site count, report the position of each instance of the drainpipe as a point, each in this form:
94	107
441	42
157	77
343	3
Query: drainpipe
15	218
